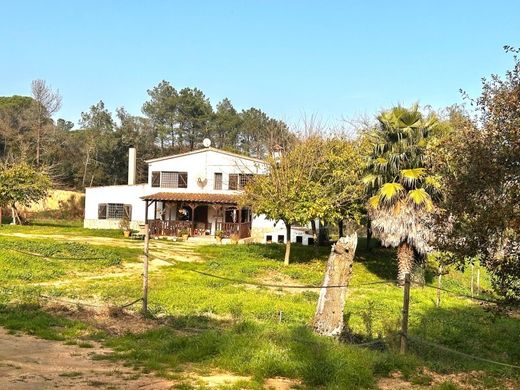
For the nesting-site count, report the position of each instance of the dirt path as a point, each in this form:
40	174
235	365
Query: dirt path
30	363
159	249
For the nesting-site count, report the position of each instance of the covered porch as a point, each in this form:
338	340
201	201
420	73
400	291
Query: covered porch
199	214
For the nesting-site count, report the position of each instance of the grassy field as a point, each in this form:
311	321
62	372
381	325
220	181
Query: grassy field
228	323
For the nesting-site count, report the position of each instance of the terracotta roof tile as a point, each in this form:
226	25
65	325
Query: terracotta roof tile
193	197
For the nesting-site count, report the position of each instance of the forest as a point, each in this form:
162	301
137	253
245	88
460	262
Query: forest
94	152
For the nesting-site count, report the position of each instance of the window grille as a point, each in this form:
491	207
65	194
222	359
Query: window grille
115	211
174	179
244	179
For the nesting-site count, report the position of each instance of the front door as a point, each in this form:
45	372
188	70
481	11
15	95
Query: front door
201	214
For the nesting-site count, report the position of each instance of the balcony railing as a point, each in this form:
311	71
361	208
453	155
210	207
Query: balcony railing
174	228
243	230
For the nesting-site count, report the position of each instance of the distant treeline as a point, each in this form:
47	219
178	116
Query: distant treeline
95	153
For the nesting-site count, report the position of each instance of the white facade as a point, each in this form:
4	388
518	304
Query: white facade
197	172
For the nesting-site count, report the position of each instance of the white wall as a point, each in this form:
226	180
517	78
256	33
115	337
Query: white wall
204	165
115	194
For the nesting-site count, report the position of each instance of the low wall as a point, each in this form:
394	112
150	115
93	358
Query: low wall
109	224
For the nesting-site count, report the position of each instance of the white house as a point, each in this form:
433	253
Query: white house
197	191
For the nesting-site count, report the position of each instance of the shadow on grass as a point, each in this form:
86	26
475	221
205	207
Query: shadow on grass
259	350
471	330
31	319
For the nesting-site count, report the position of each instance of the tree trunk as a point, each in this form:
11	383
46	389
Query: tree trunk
418	274
340	228
314	233
405	260
369	234
287	243
16	219
328	320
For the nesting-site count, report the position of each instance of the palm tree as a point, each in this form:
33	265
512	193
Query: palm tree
401	188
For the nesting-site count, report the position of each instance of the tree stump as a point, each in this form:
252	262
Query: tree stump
328	320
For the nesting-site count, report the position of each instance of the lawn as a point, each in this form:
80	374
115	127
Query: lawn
230	322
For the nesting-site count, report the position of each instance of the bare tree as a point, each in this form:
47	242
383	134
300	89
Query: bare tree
48	102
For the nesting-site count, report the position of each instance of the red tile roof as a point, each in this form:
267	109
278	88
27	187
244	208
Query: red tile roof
193	197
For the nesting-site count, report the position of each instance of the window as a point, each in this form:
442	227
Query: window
156	179
231	216
245	215
244	179
218	181
174	179
233	181
114	211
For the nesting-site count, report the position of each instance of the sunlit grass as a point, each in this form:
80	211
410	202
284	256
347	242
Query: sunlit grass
264	331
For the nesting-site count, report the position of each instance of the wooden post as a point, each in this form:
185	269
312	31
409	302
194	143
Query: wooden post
406	306
478	280
145	269
439	285
472	268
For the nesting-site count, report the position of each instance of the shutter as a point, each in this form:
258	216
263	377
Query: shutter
233	181
102	211
156	179
183	180
127	209
218	181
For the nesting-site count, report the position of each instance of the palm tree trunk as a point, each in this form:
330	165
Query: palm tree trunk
405	260
287	244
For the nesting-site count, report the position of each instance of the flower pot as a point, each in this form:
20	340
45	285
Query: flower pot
185	237
219	239
127	233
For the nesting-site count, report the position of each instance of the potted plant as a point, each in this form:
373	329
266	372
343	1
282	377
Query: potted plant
218	235
124	224
185	233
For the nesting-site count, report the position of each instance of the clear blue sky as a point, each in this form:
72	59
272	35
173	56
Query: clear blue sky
289	58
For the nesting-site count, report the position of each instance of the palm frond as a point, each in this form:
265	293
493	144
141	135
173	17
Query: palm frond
420	197
390	191
411	176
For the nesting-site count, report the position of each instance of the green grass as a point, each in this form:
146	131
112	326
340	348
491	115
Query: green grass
61	227
222	324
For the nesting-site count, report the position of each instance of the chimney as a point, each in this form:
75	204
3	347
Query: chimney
131	166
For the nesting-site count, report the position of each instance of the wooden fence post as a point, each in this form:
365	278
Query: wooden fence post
406	306
145	269
439	286
472	278
478	280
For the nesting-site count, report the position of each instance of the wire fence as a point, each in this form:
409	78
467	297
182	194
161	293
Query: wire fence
380	340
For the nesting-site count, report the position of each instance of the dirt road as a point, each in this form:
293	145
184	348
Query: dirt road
30	363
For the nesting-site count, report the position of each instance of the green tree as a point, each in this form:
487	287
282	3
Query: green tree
162	110
225	125
21	185
339	175
482	173
402	188
97	133
287	192
194	115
